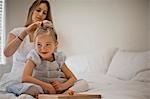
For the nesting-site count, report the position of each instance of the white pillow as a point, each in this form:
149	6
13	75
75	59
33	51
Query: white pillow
143	76
94	62
125	65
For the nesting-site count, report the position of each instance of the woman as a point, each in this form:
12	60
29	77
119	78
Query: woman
20	40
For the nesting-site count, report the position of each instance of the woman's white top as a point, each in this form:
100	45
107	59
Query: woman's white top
19	58
20	55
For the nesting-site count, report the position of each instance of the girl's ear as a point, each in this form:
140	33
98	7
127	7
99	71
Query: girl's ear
56	45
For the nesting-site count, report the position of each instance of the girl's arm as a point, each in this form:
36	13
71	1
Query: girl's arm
70	76
27	77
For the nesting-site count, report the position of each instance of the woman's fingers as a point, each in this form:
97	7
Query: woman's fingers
47	23
38	23
31	28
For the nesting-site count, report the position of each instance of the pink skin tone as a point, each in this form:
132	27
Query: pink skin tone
45	46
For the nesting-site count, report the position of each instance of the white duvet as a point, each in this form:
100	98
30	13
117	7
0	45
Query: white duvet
106	80
112	88
108	87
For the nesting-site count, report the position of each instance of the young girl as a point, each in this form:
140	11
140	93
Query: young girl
45	68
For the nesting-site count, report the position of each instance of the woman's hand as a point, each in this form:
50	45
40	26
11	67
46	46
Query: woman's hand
58	86
47	23
31	28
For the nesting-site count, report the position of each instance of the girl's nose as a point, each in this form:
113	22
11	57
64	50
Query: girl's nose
44	48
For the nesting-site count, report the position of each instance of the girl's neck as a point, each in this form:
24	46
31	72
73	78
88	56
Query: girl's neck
51	58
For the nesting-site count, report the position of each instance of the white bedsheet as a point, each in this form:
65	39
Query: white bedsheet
108	87
112	88
5	95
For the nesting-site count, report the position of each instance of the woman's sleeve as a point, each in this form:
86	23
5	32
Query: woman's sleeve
34	57
17	31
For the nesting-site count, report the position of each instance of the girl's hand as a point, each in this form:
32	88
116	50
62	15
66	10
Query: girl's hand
69	92
50	89
58	86
31	28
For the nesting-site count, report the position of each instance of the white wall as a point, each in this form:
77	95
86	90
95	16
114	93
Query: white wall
16	13
88	25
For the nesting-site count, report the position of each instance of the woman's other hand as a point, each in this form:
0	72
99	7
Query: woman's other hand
31	28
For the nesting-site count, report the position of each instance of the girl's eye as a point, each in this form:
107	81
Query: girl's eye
48	44
38	10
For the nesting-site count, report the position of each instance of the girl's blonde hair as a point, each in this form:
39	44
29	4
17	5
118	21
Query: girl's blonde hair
44	28
32	9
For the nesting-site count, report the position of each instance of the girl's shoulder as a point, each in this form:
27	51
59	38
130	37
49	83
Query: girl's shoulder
33	55
60	57
59	54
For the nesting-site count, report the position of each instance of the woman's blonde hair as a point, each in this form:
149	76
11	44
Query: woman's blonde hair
32	9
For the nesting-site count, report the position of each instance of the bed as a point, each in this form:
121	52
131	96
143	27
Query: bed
113	73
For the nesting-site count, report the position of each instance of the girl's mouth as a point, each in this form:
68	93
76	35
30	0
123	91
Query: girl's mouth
44	52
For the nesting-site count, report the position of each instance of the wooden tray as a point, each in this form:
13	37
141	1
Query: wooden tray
63	96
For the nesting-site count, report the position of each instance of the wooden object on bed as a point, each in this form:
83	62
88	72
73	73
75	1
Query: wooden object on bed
75	96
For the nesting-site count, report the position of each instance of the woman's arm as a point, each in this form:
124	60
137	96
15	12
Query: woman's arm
27	77
13	42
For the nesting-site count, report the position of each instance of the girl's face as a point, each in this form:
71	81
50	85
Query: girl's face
40	13
45	45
